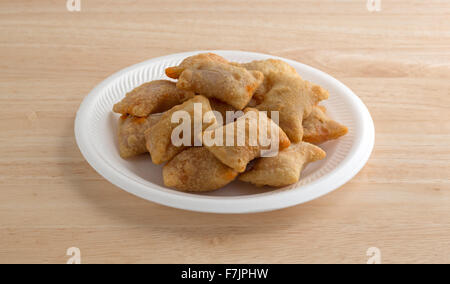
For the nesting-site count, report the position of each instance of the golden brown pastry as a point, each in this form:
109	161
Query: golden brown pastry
269	65
284	169
266	67
222	108
319	127
196	169
159	136
214	77
153	97
242	147
131	134
285	91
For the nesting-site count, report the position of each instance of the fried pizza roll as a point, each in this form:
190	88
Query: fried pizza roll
223	108
153	97
131	134
266	67
319	127
175	72
284	169
196	169
159	136
285	91
242	140
269	65
294	99
214	77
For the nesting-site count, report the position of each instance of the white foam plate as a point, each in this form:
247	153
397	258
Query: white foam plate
96	130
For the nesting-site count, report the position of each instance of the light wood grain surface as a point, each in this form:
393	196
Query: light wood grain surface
396	60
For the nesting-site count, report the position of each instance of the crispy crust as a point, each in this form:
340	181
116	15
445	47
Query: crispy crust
284	169
131	134
196	169
319	127
238	156
158	137
214	77
222	108
153	97
283	90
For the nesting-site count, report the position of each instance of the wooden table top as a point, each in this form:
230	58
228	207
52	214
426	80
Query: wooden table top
397	60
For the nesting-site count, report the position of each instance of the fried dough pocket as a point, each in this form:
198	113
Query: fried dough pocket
283	90
197	169
285	168
241	140
214	77
131	134
153	97
159	136
319	127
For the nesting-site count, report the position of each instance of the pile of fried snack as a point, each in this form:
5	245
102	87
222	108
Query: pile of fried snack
217	84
